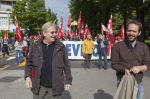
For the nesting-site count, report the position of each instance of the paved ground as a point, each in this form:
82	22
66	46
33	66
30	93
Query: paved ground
87	84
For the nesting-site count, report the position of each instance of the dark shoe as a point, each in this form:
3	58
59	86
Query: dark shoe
105	68
99	67
88	67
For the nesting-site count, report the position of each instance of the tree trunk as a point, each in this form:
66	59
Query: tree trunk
125	22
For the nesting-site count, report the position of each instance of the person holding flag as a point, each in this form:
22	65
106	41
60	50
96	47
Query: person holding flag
18	51
18	44
102	50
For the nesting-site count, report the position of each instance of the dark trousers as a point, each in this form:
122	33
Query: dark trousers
25	52
87	60
6	52
45	93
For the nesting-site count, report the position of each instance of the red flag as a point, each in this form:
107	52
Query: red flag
60	32
61	23
79	21
18	32
87	31
69	27
76	32
73	34
82	29
38	36
109	25
6	36
122	31
61	26
110	37
105	29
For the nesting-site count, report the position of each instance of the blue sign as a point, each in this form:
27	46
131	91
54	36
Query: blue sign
14	30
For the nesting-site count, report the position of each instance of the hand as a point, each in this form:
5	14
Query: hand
135	69
67	86
28	83
127	71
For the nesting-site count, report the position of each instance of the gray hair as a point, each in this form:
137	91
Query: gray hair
47	25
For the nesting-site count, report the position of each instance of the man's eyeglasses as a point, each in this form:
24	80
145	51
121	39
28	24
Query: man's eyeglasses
53	32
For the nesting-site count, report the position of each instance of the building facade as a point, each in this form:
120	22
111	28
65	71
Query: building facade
5	11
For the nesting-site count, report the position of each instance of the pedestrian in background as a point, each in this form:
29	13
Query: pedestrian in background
18	51
31	41
9	45
1	43
25	47
48	72
5	48
131	57
102	50
87	48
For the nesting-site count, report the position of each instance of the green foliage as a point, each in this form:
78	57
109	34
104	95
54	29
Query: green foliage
147	42
95	12
10	34
117	22
31	14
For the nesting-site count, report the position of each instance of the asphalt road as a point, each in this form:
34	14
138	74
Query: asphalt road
87	83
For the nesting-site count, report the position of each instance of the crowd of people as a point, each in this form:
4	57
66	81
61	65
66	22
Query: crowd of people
48	73
21	48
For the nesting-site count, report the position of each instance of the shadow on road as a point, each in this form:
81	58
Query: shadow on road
66	95
102	95
95	63
9	79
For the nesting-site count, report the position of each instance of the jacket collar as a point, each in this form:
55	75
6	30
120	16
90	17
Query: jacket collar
58	45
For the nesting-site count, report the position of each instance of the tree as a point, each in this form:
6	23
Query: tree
95	12
31	14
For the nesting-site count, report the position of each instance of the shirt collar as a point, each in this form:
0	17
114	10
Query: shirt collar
130	46
46	44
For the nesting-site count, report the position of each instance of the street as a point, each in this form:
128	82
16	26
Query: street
87	83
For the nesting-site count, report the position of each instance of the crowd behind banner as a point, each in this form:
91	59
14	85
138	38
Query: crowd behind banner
7	46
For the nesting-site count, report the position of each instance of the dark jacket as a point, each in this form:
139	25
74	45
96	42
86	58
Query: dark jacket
61	72
5	47
99	40
122	58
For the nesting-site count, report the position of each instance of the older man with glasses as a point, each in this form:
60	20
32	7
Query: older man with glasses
48	68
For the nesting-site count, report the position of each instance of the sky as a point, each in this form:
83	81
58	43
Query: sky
60	7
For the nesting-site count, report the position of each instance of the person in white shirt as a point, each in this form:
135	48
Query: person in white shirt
25	47
18	49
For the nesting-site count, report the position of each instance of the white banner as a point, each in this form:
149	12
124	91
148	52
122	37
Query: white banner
74	49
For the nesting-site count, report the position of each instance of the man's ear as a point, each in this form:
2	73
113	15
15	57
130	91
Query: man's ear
44	34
